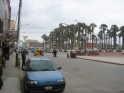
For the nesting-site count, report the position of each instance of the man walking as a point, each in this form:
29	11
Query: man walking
54	53
1	81
23	59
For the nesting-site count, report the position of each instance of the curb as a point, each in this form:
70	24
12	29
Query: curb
102	61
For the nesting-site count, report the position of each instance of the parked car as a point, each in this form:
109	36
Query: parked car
42	75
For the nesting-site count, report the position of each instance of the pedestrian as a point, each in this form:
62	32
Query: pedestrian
1	71
54	53
1	81
15	50
23	59
3	60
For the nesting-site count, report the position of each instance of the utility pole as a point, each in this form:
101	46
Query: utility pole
18	32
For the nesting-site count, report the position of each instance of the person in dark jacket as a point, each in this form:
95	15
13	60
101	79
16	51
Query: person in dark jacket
54	52
1	81
23	58
3	60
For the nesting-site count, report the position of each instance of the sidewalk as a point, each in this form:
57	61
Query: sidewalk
110	60
11	77
106	57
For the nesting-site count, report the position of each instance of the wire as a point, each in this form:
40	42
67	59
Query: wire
51	7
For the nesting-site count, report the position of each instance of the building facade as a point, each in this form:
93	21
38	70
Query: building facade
5	15
12	25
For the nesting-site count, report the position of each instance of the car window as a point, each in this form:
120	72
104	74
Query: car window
41	65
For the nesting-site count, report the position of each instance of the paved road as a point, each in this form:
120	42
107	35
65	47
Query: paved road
83	76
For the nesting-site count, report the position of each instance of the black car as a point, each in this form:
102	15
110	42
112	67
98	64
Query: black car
41	75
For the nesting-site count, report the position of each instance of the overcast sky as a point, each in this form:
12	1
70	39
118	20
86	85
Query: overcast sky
45	15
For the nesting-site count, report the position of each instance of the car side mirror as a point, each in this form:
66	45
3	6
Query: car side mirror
59	67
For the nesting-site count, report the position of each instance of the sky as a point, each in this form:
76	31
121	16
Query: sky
43	16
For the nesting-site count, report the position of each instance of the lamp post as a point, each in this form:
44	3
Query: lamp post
74	39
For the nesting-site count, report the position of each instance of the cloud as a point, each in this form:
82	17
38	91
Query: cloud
45	15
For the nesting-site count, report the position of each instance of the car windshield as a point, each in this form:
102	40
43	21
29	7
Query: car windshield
41	65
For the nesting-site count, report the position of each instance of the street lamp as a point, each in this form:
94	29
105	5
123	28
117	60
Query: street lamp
60	26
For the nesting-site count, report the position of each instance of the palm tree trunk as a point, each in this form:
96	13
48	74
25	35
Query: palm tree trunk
92	39
123	42
78	45
115	42
111	42
104	41
119	42
69	44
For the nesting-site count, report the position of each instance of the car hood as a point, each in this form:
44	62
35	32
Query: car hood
45	76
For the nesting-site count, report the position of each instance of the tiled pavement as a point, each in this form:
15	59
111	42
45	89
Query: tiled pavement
11	77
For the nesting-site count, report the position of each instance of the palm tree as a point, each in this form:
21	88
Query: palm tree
109	36
119	35
51	36
87	28
57	38
65	38
83	26
62	39
114	29
46	39
93	37
43	37
103	28
96	40
72	32
80	28
92	25
100	36
122	34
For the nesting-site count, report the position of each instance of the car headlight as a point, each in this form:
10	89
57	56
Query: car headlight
32	82
61	80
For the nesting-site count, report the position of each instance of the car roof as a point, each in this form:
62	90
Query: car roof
39	59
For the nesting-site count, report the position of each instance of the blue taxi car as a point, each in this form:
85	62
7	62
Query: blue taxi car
42	75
